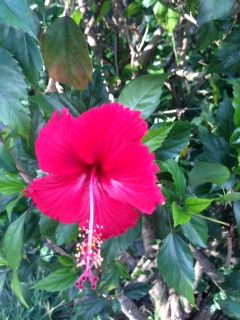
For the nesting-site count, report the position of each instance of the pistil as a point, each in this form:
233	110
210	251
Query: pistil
88	250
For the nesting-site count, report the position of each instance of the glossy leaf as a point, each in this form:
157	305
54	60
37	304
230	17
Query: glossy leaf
10	185
16	288
180	215
176	141
66	55
136	290
64	234
176	266
179	179
94	94
13	114
143	94
206	172
231	307
6	160
92	306
196	205
196	231
54	101
59	280
156	136
17	14
114	246
224	118
215	148
26	52
112	274
227	58
13	242
47	226
214	9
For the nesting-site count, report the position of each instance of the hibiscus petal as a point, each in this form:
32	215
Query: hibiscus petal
130	178
55	146
102	131
66	199
60	197
114	217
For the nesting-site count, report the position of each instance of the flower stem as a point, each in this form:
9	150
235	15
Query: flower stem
211	219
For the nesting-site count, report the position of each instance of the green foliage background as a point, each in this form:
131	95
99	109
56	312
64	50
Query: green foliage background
178	62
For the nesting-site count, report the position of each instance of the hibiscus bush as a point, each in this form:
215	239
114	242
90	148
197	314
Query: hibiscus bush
174	66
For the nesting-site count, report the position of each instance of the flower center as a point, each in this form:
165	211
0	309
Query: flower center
88	250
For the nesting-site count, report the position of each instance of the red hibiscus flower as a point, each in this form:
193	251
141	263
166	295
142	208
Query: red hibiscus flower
99	175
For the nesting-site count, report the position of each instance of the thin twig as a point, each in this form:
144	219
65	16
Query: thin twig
52	246
129	308
207	267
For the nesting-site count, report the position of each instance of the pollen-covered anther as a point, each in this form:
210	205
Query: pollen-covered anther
88	255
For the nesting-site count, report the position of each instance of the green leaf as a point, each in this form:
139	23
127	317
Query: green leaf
228	197
13	242
206	172
104	9
227	57
196	231
211	31
3	262
156	136
136	290
10	185
133	9
3	275
25	50
16	288
54	101
180	215
143	94
17	14
215	148
111	275
179	179
176	266
148	3
166	17
90	307
224	118
65	261
114	246
196	205
95	93
214	9
76	16
231	308
13	114
236	102
11	205
47	226
59	280
176	141
64	234
236	210
6	160
66	54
